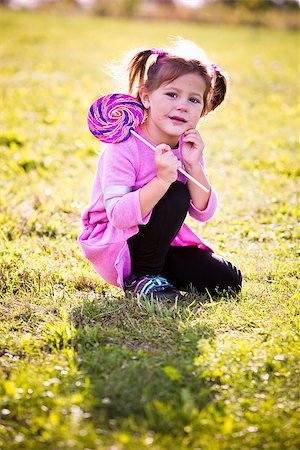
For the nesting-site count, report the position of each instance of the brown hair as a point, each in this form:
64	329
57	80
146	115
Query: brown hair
151	71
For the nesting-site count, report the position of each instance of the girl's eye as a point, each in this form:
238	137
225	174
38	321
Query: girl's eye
195	100
171	94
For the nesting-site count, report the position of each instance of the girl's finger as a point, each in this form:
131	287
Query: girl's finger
162	148
192	133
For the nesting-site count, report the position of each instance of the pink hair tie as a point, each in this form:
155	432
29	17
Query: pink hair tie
215	68
157	51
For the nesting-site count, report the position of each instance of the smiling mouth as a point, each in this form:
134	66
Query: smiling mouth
178	119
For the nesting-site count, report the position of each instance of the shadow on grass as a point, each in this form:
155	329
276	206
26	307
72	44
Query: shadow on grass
139	358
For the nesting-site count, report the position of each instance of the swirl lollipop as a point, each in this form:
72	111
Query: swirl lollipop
113	117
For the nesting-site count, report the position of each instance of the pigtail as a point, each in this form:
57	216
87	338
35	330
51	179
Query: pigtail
137	69
219	88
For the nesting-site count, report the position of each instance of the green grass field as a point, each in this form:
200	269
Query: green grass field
84	368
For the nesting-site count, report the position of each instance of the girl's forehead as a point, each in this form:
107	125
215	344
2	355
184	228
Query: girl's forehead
188	81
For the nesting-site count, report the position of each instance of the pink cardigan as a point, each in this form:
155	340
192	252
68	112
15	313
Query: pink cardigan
114	213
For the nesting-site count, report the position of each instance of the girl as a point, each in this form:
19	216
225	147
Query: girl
134	232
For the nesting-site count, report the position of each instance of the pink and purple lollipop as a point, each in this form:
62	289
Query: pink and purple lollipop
112	117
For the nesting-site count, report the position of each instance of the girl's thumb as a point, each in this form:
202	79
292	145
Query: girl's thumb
161	148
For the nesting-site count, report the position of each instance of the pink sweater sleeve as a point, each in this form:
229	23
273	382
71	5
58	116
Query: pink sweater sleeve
209	211
118	175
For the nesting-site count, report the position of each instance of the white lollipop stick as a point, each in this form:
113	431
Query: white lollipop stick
180	169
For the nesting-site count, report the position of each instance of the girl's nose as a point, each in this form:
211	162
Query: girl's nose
182	105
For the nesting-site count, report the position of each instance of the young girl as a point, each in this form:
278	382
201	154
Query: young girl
134	232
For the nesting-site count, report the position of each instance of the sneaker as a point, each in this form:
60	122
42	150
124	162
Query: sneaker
150	286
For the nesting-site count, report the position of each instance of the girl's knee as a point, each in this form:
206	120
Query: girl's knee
178	195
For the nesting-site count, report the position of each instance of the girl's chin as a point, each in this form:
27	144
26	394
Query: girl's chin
178	129
174	130
172	137
169	133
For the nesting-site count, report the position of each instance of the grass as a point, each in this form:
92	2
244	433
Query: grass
81	366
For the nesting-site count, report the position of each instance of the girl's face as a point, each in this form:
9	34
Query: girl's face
173	108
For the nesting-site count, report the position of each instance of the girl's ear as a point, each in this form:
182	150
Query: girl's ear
144	96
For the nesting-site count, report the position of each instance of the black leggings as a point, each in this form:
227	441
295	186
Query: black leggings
152	254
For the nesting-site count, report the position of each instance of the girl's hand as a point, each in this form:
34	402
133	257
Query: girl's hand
192	148
166	164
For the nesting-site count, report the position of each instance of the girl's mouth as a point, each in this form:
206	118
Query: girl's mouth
178	119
